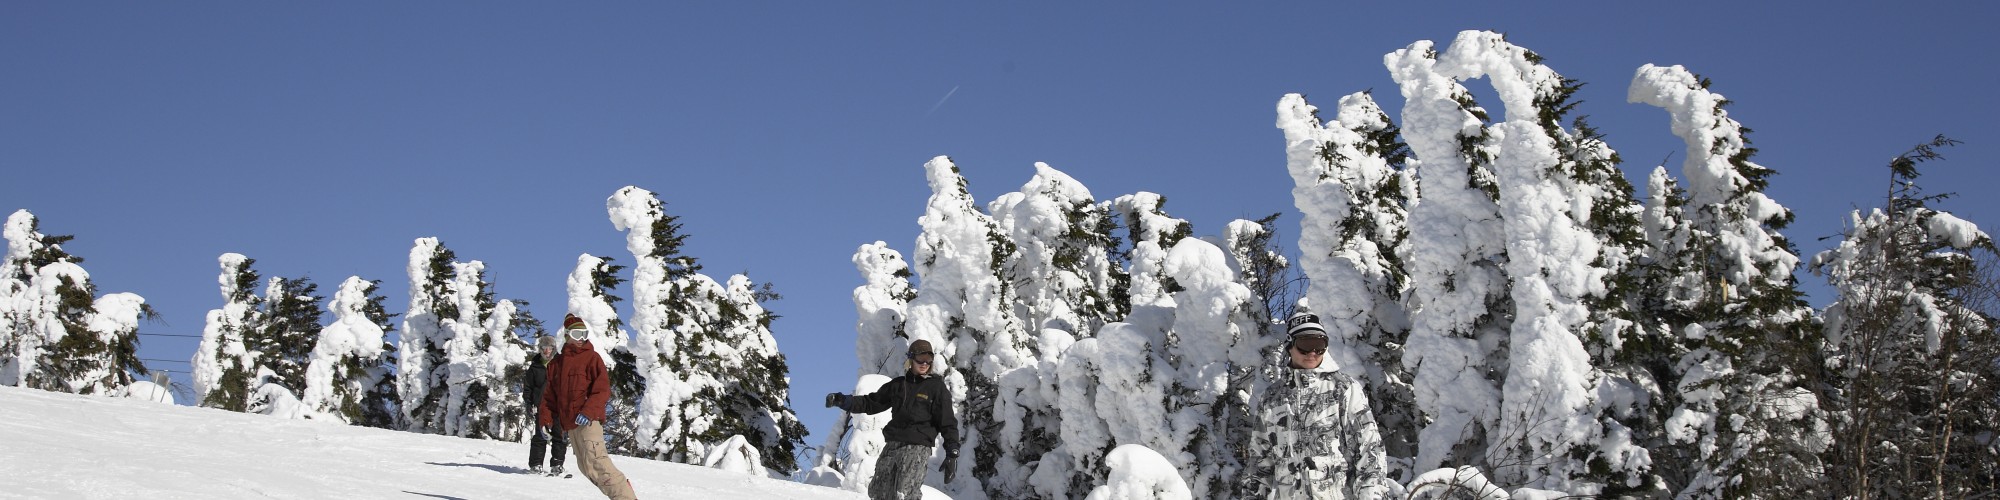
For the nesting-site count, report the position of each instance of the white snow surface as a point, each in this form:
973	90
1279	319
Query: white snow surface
87	447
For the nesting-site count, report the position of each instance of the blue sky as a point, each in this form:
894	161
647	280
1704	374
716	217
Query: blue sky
321	139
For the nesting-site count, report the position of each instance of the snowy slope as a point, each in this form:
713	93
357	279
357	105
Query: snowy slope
76	447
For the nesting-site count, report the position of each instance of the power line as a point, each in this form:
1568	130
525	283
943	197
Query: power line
167	360
169	335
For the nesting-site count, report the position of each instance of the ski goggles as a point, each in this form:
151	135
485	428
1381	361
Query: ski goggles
922	358
1309	344
577	334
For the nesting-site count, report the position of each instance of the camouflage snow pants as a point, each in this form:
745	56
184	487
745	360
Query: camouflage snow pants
899	472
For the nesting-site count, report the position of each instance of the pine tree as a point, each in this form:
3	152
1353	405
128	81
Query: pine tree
59	334
1456	264
223	364
337	374
1348	181
484	357
421	357
1911	349
757	402
671	309
1062	273
880	304
1752	352
591	290
286	330
963	307
381	404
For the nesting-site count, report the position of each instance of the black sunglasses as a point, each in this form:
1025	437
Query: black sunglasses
1318	351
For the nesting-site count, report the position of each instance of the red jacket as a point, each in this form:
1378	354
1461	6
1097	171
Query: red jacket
578	384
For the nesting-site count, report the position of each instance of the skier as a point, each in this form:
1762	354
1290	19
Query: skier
922	411
1315	436
546	437
578	388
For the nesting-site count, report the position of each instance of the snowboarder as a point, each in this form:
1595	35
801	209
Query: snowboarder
546	437
1315	436
921	411
578	388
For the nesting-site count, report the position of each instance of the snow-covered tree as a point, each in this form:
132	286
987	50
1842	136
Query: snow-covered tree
1456	262
1064	279
964	308
1215	345
1911	335
485	358
756	402
879	305
222	364
1349	182
340	369
1745	405
671	305
591	288
57	333
460	354
284	333
421	359
704	349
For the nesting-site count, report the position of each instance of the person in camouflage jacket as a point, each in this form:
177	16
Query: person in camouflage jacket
1315	436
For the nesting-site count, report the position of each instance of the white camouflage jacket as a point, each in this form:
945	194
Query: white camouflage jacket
1315	439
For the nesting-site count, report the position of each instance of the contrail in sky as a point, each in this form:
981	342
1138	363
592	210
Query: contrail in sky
947	96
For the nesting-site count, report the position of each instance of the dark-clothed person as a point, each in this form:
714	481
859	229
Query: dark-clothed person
920	411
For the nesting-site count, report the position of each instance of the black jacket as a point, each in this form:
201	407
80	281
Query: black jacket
538	378
922	407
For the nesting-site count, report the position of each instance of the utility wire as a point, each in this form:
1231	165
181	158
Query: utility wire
168	335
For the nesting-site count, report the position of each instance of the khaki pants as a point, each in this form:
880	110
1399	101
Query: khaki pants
595	462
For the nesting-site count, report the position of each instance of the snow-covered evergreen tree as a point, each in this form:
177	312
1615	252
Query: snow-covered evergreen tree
672	306
1745	404
756	402
1349	184
1063	275
1548	429
421	376
591	288
339	368
1912	350
58	334
1461	310
963	307
1215	343
282	337
484	356
222	365
879	305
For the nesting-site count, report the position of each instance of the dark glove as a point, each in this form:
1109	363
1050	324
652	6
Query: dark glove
541	432
950	466
836	400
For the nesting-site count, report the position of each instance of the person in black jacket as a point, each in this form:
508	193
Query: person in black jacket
545	438
920	406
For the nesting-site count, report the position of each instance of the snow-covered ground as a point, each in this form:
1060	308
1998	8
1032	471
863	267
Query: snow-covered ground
76	447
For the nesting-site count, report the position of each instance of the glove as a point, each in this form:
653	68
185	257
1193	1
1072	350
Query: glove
950	465
541	432
582	420
836	400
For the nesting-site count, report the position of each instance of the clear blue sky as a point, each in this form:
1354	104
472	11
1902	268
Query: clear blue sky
322	138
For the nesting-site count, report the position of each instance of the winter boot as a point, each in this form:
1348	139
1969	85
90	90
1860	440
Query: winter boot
557	471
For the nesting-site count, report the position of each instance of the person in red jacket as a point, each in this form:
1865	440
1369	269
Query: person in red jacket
578	388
